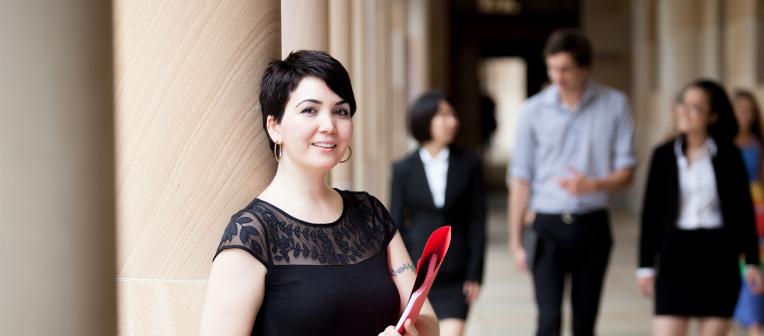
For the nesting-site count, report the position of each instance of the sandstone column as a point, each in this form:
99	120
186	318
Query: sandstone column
398	70
304	25
339	47
190	146
419	61
740	40
710	47
678	44
371	76
56	176
677	58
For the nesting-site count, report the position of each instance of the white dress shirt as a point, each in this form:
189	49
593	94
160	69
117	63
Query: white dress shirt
436	170
699	205
699	199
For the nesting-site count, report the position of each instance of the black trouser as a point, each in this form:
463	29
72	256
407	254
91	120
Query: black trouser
578	245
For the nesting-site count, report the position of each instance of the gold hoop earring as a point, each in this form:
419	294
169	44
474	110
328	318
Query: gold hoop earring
350	154
277	149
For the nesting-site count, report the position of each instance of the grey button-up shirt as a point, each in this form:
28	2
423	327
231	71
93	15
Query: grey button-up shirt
595	139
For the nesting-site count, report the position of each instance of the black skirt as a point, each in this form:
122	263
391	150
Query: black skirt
447	297
698	274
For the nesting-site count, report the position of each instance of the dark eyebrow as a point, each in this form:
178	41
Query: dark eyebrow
341	102
309	101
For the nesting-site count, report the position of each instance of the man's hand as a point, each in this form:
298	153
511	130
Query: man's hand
578	184
519	195
520	257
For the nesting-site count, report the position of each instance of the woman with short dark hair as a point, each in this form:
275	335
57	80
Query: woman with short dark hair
303	258
697	218
437	185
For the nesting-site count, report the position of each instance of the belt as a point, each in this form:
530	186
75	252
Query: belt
570	218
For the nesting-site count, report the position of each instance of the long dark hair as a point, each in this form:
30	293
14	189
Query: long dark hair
725	128
755	127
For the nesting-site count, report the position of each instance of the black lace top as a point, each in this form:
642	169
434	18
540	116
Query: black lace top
323	279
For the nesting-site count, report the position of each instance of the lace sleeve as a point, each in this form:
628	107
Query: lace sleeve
247	233
383	219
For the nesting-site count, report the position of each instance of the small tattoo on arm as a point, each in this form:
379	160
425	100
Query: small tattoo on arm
403	268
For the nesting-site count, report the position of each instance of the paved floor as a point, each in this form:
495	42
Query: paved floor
506	304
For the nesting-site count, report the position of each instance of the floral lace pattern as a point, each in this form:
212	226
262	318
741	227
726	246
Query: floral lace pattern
276	238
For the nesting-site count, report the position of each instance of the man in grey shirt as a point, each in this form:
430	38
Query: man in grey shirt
573	146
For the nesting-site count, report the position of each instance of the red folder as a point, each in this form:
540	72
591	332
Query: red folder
426	269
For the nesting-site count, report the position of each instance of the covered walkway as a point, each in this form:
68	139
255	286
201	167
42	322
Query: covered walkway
137	125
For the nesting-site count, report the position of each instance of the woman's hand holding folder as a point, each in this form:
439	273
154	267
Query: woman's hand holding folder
427	268
410	330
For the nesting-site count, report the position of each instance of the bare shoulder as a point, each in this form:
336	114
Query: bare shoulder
234	294
236	277
239	262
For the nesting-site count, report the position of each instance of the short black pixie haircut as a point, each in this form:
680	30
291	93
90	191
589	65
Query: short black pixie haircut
571	41
281	78
421	113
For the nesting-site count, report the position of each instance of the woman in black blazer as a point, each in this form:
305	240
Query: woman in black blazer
697	218
438	185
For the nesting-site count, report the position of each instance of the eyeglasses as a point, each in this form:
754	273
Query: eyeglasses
694	109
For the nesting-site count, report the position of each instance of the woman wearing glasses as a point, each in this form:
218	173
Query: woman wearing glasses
697	218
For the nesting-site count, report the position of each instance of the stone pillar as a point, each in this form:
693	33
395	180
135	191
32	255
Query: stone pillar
710	48
643	68
57	169
740	61
678	44
643	49
382	145
678	63
417	32
758	37
340	23
398	70
359	75
371	76
191	149
304	25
